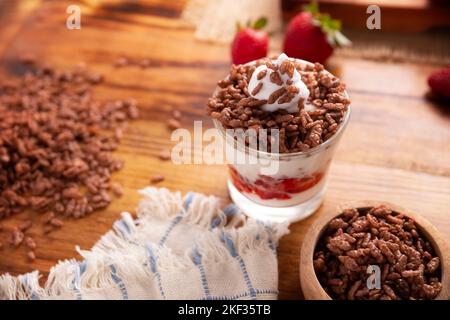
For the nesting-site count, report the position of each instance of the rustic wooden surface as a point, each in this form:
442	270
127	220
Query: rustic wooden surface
396	147
396	15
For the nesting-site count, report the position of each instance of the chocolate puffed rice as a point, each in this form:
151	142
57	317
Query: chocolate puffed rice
55	149
234	107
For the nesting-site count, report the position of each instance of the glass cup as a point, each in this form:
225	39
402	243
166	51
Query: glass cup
291	192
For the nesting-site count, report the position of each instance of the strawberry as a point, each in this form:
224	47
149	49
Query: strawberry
250	43
439	83
312	35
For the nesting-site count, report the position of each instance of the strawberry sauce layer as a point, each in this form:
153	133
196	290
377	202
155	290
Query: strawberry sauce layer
267	187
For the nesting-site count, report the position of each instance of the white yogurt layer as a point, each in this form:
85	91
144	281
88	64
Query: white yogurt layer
269	87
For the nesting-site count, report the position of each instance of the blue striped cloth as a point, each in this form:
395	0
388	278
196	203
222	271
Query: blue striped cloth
177	248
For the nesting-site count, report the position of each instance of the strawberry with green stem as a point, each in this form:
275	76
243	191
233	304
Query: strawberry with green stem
250	43
312	35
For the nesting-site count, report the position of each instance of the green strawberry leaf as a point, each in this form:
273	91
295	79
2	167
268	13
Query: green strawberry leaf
312	8
260	23
329	26
335	24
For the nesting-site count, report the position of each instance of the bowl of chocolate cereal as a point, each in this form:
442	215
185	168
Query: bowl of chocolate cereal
374	250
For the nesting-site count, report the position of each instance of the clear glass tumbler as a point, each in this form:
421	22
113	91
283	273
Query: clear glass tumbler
292	192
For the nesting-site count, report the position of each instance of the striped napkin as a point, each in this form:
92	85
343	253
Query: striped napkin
177	248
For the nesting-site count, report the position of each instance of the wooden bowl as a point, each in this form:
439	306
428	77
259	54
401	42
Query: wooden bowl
311	287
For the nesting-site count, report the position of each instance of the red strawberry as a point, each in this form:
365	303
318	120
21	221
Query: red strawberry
250	43
311	35
439	83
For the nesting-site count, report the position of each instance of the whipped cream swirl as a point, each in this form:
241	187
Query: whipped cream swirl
280	84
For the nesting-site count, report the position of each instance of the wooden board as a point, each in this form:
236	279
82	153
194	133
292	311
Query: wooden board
396	15
396	147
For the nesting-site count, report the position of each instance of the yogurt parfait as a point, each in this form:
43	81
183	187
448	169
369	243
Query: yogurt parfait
298	111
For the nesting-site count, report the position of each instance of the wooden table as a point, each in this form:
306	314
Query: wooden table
397	15
396	147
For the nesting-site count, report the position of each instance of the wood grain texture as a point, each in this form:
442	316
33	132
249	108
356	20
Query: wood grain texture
396	147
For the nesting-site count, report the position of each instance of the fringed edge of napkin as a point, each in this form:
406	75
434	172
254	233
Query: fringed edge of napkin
118	255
